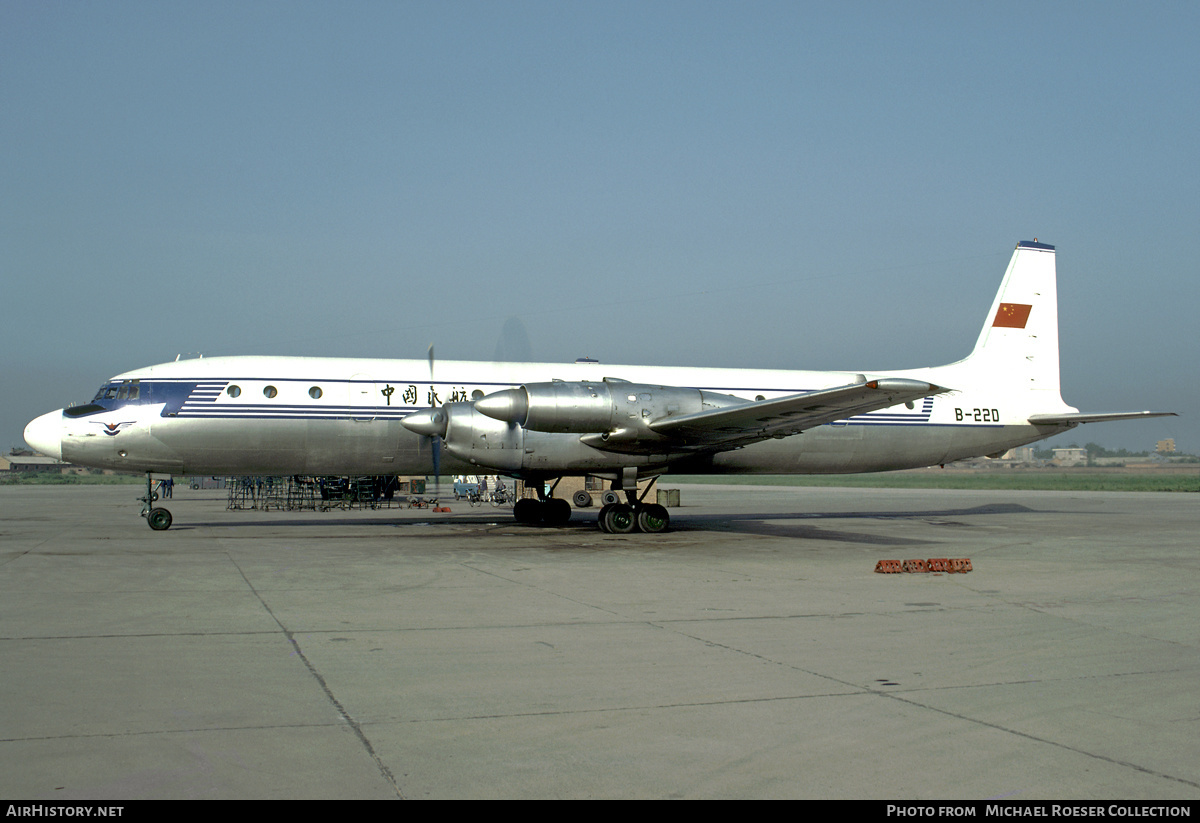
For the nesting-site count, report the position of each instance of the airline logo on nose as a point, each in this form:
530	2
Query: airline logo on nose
112	429
1012	316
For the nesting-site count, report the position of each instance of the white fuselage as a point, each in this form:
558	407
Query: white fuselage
286	415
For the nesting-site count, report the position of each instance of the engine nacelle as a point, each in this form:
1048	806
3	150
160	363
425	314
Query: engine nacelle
596	407
556	427
481	440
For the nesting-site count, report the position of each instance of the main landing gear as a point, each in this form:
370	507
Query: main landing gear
624	518
157	519
552	511
636	515
615	517
546	509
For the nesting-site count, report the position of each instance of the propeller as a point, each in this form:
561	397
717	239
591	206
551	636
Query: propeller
430	423
435	441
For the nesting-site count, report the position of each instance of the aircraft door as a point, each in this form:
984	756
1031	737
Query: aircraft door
363	398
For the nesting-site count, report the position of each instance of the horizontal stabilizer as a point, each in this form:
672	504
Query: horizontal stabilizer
1074	419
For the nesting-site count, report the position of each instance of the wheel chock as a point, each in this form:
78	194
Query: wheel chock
934	564
441	508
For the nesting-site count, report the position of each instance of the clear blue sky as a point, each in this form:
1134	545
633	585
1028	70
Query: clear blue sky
786	185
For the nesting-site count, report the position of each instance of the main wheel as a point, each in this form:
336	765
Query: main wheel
159	519
653	518
528	510
619	519
555	511
603	516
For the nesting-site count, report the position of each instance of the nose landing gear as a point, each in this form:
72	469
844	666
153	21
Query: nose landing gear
157	519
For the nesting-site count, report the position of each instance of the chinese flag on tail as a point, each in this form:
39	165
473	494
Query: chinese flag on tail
1012	316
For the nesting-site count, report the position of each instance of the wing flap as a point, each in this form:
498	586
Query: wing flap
734	426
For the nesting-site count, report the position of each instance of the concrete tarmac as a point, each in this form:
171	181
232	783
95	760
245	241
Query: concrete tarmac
751	652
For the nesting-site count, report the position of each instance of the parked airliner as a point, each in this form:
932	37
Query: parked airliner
543	421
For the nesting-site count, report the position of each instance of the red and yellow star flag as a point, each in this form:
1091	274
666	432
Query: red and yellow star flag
1012	316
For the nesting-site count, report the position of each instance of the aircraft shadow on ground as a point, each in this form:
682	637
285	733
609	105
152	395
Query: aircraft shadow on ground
767	524
784	524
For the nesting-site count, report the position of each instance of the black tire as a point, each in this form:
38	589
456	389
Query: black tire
159	519
600	518
528	510
610	498
581	499
556	512
620	519
653	518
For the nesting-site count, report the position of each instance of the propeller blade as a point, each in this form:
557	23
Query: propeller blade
436	440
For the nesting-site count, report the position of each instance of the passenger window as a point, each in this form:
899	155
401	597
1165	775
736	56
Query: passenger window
270	391
315	393
233	391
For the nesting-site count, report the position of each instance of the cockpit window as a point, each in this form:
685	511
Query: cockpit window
125	390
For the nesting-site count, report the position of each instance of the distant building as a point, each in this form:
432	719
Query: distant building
20	463
1166	446
1070	457
1022	454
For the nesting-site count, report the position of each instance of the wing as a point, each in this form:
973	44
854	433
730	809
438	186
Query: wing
736	426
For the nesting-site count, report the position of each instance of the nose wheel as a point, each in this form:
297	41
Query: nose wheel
157	519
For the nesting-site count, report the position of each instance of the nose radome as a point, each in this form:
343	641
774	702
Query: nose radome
44	434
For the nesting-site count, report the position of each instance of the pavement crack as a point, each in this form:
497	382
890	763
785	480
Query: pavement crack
345	715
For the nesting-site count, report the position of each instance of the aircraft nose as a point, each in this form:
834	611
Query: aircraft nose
44	434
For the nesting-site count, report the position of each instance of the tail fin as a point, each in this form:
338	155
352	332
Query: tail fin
1018	346
1017	350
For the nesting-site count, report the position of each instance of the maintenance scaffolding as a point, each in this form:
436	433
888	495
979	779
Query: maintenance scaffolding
300	492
